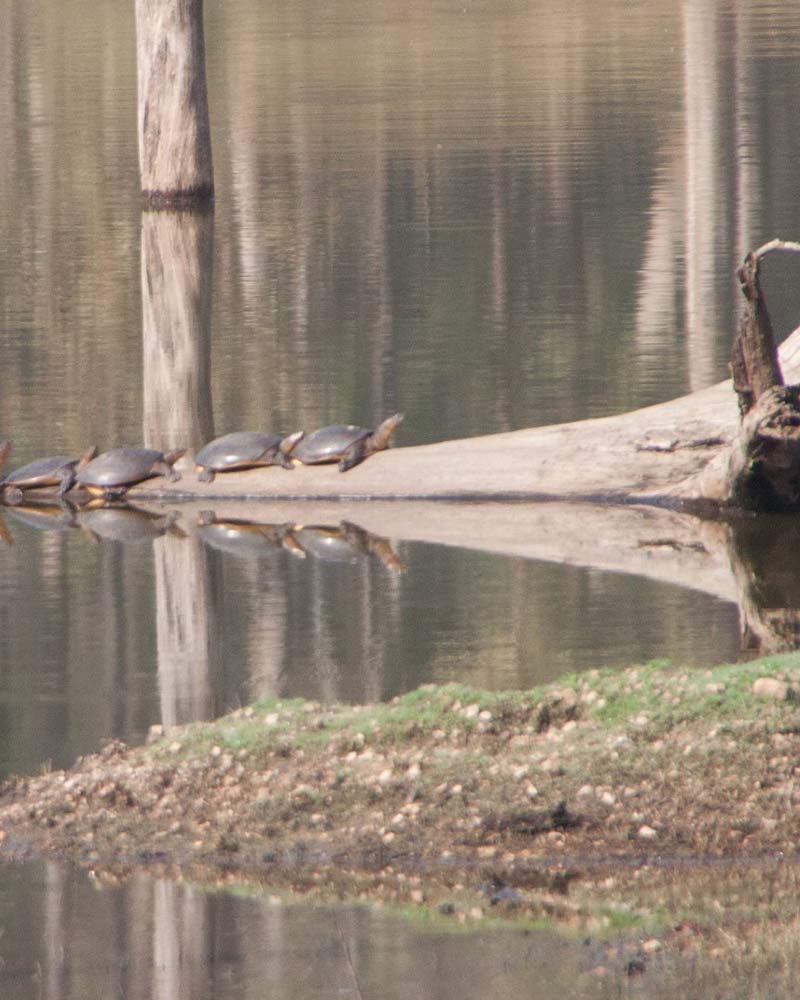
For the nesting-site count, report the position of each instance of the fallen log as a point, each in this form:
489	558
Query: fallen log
646	455
690	451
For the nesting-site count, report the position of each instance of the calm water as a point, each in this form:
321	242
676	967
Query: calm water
72	939
486	215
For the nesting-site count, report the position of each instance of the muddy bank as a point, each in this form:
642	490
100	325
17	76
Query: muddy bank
563	803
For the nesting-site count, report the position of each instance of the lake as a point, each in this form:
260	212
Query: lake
487	215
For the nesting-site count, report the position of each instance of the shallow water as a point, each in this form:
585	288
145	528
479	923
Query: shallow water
67	936
489	216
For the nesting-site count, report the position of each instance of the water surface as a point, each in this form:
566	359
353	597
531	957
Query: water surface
487	215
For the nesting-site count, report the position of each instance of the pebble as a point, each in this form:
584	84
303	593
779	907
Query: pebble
771	687
646	832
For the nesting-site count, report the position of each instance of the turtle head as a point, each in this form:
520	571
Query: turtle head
384	431
286	447
5	451
86	457
170	459
290	442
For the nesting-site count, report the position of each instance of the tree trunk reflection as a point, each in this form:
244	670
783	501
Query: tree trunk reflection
176	319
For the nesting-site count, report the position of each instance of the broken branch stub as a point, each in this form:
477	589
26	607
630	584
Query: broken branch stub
754	362
763	464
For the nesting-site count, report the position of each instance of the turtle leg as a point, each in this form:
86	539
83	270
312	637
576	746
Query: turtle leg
355	454
204	474
162	468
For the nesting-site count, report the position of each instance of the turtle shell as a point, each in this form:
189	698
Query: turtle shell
328	444
42	472
237	450
120	467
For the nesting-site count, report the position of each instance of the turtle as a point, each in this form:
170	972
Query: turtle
244	450
8	494
56	470
114	472
345	443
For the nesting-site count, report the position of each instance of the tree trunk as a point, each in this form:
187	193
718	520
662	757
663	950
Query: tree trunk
174	137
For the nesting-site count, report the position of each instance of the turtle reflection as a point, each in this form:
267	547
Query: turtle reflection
45	516
347	543
5	534
113	522
245	539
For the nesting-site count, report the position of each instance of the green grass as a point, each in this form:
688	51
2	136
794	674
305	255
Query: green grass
655	694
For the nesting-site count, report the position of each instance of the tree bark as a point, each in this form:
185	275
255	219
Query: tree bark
754	362
175	163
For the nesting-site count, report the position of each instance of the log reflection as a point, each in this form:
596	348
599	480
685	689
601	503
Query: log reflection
763	552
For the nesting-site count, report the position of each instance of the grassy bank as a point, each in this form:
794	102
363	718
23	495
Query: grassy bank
655	802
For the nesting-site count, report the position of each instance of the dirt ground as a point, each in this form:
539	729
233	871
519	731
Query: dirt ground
643	799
